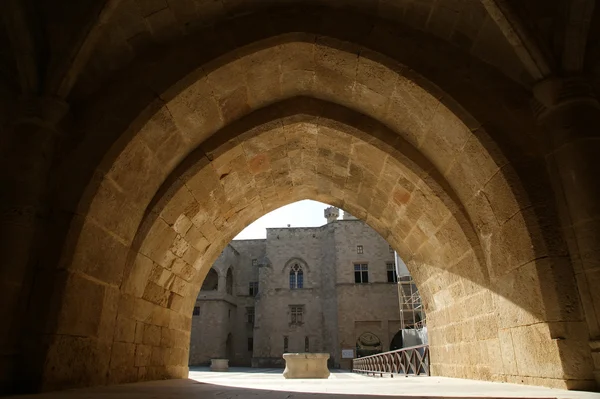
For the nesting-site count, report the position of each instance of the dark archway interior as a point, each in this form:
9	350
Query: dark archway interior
211	282
396	341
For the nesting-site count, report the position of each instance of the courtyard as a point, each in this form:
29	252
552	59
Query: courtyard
246	383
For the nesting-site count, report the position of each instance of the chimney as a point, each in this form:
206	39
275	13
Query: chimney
348	216
331	214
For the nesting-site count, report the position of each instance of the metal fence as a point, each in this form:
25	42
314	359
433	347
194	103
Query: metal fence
406	361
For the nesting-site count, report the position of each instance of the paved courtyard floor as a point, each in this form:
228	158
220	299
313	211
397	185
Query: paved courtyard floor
246	383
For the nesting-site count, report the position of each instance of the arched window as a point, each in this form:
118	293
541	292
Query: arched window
296	277
211	281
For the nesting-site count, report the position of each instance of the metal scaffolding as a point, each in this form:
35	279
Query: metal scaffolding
413	321
412	314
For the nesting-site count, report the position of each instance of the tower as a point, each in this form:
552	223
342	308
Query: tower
331	214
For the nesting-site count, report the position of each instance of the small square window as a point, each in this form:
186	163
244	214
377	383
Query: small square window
254	262
359	249
297	313
253	288
196	311
361	273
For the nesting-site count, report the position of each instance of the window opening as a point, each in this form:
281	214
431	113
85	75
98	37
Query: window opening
253	288
211	281
359	249
196	311
250	315
361	273
392	277
285	343
296	277
297	313
306	345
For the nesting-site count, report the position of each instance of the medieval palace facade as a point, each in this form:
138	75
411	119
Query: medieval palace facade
323	289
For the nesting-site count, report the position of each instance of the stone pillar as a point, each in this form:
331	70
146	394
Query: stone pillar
25	160
569	114
222	284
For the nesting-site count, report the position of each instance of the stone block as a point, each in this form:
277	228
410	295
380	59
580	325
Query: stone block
99	254
152	335
137	172
158	240
112	209
159	356
536	351
122	355
125	330
507	348
306	365
142	355
135	282
74	362
219	364
82	305
520	301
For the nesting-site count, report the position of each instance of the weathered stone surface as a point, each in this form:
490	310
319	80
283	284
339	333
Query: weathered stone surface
219	364
306	365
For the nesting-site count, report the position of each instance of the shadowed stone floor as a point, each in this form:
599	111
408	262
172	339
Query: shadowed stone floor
246	383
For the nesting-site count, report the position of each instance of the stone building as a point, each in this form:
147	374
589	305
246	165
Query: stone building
309	289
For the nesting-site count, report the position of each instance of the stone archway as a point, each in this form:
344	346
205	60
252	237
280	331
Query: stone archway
445	196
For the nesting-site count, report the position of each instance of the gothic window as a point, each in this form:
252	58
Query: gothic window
196	311
250	315
285	343
296	277
361	273
359	249
306	345
297	313
211	281
392	277
253	288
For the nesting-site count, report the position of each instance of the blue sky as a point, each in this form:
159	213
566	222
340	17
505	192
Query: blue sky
305	213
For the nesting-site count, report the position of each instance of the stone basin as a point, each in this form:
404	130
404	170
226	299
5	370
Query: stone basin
219	364
306	365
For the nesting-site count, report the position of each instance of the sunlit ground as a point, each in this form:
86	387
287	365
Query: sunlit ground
346	383
248	383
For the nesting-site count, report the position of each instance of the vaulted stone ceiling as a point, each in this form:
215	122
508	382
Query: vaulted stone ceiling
62	44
